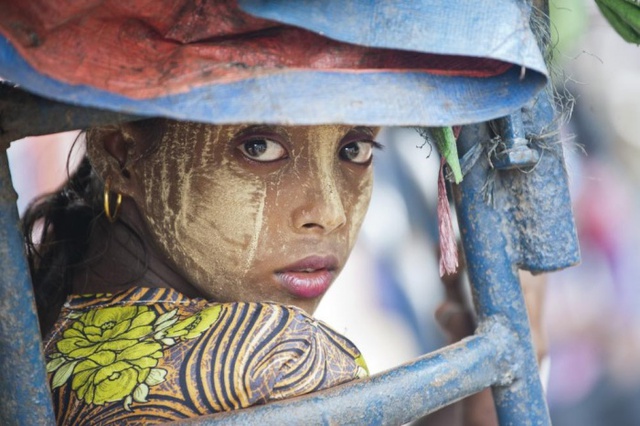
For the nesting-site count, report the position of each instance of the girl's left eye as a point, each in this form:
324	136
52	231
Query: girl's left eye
357	152
263	150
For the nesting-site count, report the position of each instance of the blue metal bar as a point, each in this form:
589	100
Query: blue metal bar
399	395
26	399
491	260
25	114
539	201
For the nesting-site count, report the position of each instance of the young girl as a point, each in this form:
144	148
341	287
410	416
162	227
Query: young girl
178	268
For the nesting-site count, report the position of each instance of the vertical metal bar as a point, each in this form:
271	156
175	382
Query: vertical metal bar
496	287
25	396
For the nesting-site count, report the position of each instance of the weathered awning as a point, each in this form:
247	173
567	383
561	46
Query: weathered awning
368	62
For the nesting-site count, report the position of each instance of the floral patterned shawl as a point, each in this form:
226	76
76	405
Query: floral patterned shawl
152	355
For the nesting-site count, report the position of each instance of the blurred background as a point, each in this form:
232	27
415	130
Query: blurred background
386	297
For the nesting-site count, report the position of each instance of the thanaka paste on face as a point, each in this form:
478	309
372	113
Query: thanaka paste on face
197	204
226	227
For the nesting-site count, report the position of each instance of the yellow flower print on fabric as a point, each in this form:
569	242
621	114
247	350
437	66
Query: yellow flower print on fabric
111	354
195	325
107	376
113	329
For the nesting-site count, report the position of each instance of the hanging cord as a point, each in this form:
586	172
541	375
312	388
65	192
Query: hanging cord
448	244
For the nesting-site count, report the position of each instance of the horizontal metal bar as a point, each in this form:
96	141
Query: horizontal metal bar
24	114
396	396
25	396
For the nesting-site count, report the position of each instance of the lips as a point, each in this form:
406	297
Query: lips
309	277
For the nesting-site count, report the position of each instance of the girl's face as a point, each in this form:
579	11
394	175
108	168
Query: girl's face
256	212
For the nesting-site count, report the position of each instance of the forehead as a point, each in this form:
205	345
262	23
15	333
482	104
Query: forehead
328	132
221	133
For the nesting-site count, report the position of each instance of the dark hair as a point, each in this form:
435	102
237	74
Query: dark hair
58	227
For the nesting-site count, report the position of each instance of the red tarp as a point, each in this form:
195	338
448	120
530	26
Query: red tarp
150	48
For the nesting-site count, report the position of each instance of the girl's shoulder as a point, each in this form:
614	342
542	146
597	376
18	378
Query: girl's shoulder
125	356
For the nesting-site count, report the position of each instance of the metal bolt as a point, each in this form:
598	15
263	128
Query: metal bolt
515	151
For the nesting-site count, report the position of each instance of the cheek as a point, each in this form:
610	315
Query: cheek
274	230
358	203
221	223
205	215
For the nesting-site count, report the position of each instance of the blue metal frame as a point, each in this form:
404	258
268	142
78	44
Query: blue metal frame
26	399
496	289
508	220
519	228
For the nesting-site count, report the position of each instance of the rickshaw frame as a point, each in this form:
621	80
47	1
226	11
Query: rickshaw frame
500	354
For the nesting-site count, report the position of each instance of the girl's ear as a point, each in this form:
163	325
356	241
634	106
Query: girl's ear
112	150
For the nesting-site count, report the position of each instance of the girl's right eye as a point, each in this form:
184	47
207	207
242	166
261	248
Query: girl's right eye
263	150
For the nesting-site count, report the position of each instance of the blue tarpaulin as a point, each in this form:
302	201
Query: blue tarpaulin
306	96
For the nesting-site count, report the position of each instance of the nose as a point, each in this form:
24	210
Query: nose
321	209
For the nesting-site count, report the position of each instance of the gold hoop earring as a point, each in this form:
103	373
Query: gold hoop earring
107	205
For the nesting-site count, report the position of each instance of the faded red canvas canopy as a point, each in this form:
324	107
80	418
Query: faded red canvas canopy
169	54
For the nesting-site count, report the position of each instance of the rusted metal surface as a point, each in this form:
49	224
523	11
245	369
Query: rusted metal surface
26	399
399	395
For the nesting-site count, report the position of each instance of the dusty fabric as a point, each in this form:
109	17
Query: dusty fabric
153	355
145	49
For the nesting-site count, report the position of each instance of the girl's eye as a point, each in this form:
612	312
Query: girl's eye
357	152
263	150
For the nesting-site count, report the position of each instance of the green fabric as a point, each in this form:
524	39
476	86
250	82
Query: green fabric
446	142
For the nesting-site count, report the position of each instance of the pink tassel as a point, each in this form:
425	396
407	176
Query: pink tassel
448	245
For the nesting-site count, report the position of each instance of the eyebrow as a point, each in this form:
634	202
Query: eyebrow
281	130
366	129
